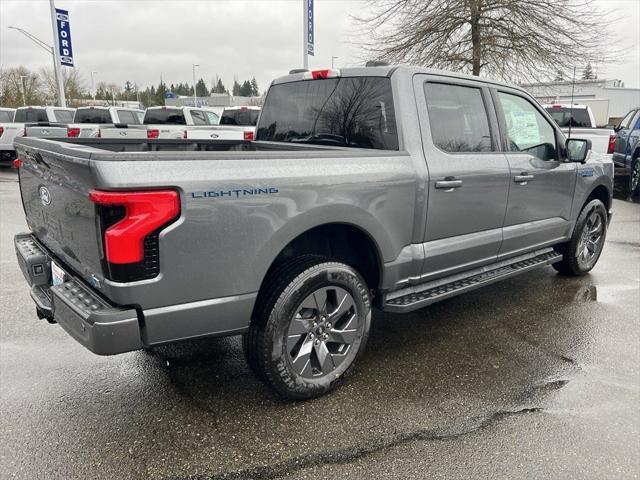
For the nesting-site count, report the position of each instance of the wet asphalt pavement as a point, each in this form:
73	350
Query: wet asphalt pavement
536	377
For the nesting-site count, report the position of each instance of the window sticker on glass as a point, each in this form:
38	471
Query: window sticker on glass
524	127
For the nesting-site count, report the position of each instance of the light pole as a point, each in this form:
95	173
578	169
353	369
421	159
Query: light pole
24	90
49	49
332	59
93	90
195	96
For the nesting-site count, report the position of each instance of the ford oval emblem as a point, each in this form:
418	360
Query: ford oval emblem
45	196
122	134
213	135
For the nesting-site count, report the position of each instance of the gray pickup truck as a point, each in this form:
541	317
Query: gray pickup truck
393	187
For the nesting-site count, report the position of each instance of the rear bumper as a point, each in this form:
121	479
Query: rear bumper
103	328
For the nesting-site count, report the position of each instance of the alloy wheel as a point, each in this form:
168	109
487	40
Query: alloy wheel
591	240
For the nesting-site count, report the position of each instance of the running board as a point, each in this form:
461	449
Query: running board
418	296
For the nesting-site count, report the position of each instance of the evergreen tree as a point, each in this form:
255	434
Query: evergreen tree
245	89
588	73
201	88
236	88
559	76
254	87
219	87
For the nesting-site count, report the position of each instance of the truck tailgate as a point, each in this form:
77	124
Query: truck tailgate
45	131
55	195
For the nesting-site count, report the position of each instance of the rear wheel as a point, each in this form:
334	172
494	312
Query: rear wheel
310	326
634	178
582	252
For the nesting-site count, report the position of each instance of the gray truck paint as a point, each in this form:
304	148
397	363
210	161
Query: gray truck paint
214	258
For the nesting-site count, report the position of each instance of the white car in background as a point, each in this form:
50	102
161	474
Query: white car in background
30	121
583	125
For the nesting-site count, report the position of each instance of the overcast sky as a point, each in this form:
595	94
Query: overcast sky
139	40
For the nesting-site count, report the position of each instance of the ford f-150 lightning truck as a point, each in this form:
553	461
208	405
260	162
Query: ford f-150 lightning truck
393	187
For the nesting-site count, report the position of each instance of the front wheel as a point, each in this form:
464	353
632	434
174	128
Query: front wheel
309	328
582	252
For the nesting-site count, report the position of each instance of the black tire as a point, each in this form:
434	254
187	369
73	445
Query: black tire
574	261
279	357
634	178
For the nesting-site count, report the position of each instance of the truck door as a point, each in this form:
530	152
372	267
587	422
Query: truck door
542	183
468	175
621	151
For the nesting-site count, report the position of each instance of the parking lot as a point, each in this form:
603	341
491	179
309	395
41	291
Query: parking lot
536	377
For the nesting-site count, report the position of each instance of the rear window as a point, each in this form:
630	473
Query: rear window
162	116
6	116
244	118
351	111
579	117
128	117
92	115
31	115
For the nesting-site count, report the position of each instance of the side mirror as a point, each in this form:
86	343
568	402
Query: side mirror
577	149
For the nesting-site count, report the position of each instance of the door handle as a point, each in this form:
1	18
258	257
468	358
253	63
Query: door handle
449	184
523	178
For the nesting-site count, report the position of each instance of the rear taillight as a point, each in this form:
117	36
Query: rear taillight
184	134
612	144
99	135
73	132
22	133
17	163
144	212
1	131
248	135
153	133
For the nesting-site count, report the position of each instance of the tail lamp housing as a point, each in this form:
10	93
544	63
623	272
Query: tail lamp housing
248	135
73	132
153	133
612	144
130	223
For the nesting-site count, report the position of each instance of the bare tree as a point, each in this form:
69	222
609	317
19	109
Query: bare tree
509	39
20	86
74	85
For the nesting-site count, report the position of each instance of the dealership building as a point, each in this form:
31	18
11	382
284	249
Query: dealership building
610	100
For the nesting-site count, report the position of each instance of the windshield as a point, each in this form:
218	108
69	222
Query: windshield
92	115
353	112
579	116
6	116
162	116
242	117
31	115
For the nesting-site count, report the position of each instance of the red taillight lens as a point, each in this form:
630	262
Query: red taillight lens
184	134
73	132
248	135
1	131
99	134
153	133
145	212
612	144
17	163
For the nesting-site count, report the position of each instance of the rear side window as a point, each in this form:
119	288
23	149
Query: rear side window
31	115
458	118
577	117
240	117
164	116
128	117
350	111
199	118
6	116
92	115
64	116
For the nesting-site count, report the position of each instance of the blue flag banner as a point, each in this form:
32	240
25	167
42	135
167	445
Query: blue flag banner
64	37
310	27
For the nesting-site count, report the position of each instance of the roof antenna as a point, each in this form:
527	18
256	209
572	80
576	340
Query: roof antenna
573	85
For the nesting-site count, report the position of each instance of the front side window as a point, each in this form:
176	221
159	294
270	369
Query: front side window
458	118
242	117
527	130
349	111
626	121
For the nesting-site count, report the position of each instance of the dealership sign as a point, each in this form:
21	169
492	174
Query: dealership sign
64	37
310	27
